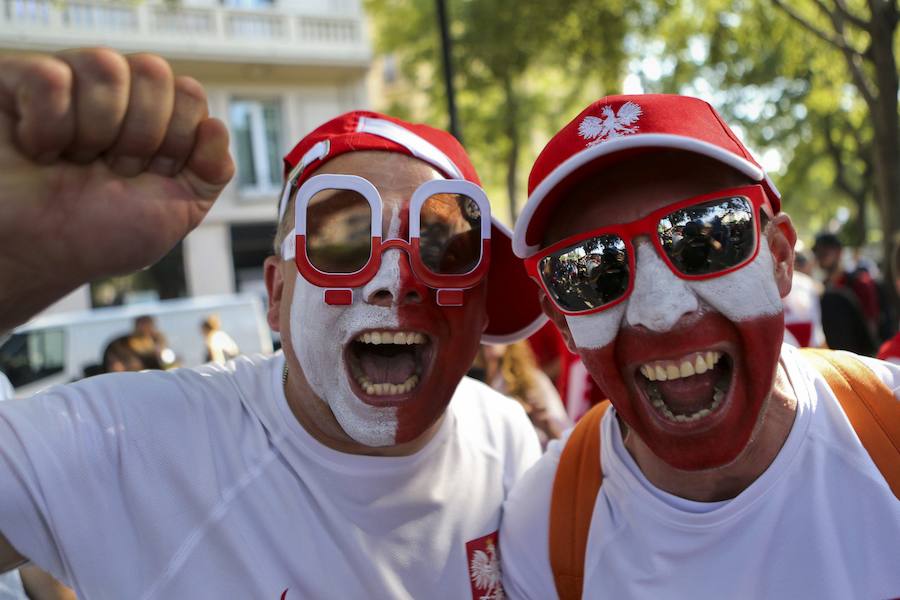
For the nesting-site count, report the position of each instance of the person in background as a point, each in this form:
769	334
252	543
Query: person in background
850	305
120	355
151	343
802	307
220	347
511	369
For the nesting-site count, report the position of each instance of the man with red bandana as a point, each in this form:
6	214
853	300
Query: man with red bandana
729	468
358	463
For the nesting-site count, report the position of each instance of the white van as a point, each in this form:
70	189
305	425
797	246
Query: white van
57	348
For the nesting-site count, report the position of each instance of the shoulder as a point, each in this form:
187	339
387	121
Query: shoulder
173	403
524	532
483	410
888	373
495	427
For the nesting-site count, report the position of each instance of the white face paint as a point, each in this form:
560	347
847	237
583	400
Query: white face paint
319	333
660	298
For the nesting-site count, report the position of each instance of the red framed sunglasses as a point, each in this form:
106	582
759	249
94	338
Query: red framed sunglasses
698	238
337	240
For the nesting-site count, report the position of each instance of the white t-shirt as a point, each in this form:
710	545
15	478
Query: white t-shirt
821	521
200	483
10	582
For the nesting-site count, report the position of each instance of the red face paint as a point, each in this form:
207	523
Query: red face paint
454	334
752	348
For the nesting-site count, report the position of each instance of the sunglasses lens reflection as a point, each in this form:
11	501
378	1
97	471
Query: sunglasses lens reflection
590	274
338	231
450	234
709	238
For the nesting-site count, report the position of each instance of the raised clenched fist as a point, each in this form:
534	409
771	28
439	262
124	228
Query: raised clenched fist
106	162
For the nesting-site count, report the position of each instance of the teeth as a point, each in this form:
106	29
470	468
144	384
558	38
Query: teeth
407	338
661	374
387	389
720	390
667	370
700	366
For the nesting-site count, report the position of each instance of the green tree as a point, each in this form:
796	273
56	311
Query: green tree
522	70
864	33
815	80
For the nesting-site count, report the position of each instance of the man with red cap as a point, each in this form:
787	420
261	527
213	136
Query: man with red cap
727	465
360	463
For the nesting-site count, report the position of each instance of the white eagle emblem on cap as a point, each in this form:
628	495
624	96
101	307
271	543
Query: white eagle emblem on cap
611	125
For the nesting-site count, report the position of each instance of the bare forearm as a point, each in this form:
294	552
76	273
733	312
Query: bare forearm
40	585
9	556
22	297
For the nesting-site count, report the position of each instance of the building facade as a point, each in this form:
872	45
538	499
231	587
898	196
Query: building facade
273	70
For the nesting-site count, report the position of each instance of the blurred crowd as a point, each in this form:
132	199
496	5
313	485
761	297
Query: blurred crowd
146	347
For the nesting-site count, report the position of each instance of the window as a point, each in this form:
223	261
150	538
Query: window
33	355
247	3
256	127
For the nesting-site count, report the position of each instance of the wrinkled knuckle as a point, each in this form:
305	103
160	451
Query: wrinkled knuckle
105	66
49	76
191	89
151	67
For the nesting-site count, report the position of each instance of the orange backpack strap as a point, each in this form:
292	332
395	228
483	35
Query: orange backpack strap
870	406
575	489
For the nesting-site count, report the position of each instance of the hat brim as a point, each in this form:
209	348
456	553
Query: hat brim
514	311
534	215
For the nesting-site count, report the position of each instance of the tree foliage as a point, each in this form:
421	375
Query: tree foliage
522	70
809	84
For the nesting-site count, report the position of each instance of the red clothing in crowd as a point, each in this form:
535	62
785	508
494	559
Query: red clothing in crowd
890	350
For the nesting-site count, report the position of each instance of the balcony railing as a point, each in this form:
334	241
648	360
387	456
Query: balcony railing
217	30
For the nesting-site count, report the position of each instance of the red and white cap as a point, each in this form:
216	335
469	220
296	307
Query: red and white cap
617	127
513	309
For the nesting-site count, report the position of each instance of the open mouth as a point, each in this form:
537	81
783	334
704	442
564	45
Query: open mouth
689	389
388	363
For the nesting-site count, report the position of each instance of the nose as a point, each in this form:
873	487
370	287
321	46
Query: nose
394	284
659	298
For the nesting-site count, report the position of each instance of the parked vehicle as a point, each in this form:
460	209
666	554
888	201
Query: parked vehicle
63	347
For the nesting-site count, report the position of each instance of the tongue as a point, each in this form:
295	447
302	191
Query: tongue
383	368
689	394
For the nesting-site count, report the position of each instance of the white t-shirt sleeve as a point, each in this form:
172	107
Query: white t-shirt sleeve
524	531
87	473
6	388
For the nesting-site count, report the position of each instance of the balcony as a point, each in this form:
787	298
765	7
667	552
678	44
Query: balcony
312	32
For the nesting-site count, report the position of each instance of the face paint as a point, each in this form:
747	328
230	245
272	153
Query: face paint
330	342
734	319
320	336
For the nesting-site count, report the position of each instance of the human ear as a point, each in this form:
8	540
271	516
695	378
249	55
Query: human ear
781	237
275	288
559	319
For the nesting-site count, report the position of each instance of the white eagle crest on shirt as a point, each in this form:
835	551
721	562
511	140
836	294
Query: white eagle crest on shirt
611	125
485	573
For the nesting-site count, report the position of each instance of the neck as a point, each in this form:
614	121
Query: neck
316	417
723	483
